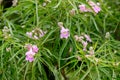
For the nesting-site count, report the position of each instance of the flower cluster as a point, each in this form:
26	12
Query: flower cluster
84	39
32	50
91	54
81	39
64	32
36	33
95	7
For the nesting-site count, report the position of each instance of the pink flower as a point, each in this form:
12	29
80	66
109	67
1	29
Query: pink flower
96	9
88	38
30	59
83	8
32	50
28	46
94	6
64	33
29	34
35	48
80	38
84	45
30	55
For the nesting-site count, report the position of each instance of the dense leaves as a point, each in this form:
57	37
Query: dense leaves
73	39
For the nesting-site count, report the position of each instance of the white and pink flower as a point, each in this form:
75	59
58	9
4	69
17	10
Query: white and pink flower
64	33
32	50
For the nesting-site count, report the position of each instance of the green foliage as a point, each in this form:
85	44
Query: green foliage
60	59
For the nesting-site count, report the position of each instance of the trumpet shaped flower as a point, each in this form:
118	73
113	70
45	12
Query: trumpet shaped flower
64	33
32	50
30	55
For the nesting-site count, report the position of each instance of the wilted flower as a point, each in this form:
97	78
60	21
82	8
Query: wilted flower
8	49
6	32
70	50
44	4
14	2
97	60
1	1
91	51
60	24
64	33
78	38
36	33
79	58
107	36
5	29
72	12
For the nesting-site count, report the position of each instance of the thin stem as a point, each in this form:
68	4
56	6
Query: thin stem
37	18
